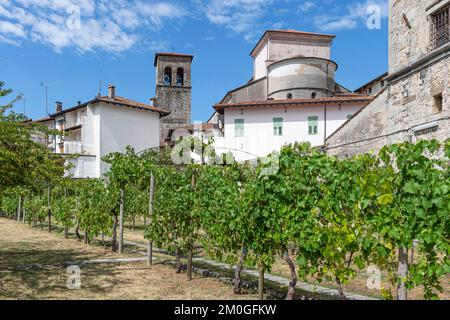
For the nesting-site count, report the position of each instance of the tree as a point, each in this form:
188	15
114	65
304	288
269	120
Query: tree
24	162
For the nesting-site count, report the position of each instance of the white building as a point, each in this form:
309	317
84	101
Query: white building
292	97
102	126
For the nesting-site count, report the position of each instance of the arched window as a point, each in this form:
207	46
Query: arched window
180	77
168	76
289	96
313	95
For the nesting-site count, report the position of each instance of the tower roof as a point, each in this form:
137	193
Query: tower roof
172	54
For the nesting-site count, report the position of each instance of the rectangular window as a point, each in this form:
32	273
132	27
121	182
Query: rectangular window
277	126
437	105
312	125
239	127
440	28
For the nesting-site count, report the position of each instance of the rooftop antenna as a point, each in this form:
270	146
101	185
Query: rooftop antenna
46	97
100	89
100	85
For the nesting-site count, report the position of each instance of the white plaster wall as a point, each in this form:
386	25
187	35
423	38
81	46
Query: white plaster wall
260	64
284	49
84	167
121	126
259	140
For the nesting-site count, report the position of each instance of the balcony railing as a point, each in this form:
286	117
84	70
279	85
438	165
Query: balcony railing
73	147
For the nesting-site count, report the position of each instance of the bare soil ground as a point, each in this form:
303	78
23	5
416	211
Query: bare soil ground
357	285
30	268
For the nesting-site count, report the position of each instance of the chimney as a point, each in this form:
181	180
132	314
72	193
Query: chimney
111	91
59	106
154	101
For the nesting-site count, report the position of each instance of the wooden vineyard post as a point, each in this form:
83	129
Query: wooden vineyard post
121	220
191	245
19	208
49	209
261	284
23	212
150	214
66	229
402	274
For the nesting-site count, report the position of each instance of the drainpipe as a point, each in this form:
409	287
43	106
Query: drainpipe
325	124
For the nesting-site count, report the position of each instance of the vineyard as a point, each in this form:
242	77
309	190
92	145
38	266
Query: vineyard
327	218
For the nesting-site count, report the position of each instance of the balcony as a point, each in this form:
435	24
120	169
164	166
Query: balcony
73	147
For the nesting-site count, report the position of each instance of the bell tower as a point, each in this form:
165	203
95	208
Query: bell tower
173	90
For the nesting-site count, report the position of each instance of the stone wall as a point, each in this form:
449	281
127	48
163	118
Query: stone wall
409	30
255	91
365	132
176	99
416	103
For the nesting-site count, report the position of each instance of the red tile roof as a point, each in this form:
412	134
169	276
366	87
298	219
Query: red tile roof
172	54
39	120
117	101
201	126
297	102
133	104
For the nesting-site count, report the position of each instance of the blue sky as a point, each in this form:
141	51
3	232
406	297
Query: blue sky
72	45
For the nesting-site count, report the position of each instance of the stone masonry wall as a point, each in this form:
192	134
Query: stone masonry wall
417	76
176	99
365	132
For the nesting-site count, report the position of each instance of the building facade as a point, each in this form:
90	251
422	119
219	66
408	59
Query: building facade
415	103
99	127
373	87
292	97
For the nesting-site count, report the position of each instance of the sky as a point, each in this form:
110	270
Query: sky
73	46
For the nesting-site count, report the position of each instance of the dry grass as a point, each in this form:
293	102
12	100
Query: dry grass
22	246
357	285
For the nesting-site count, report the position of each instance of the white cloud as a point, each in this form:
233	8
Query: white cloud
342	24
240	16
306	6
13	29
107	25
354	15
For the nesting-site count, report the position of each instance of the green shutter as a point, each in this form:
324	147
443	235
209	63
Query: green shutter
312	125
277	126
239	127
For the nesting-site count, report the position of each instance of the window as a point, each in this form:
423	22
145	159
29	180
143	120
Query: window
167	76
239	127
180	77
440	28
370	90
313	95
437	106
277	126
312	125
60	125
289	96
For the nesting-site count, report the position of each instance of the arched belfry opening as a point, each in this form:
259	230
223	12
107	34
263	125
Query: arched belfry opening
180	77
168	76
